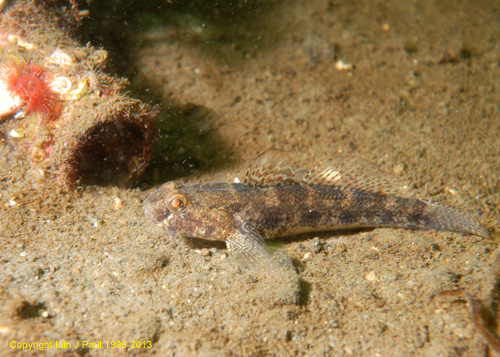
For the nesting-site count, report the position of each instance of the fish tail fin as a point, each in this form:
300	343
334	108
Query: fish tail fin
444	218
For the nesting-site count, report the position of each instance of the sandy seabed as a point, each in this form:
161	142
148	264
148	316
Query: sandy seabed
412	86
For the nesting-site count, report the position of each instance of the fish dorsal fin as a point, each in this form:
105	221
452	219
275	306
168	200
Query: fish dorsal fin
354	173
270	168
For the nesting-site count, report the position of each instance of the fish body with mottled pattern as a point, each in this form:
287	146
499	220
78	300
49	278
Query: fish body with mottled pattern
276	201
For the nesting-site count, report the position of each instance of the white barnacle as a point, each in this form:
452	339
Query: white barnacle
60	58
61	85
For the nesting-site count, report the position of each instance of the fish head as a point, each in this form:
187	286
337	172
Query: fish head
173	209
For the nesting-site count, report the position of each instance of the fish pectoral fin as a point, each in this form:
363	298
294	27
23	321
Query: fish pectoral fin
269	169
247	246
354	173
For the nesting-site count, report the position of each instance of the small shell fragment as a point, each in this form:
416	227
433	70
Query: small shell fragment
371	276
15	39
118	203
306	256
342	66
15	134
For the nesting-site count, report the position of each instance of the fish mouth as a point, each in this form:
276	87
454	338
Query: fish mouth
150	212
159	216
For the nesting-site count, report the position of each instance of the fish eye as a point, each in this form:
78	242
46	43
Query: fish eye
178	202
